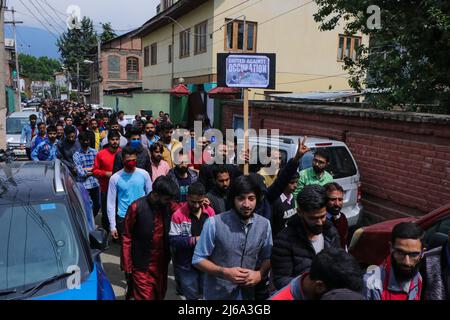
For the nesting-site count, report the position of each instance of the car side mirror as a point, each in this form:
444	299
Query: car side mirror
98	239
437	240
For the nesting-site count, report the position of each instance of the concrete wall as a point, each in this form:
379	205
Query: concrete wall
404	158
140	101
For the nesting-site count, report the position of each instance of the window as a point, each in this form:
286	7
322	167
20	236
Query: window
200	37
154	54
166	4
132	65
132	68
146	56
341	163
348	47
185	43
114	67
38	241
437	234
170	53
240	38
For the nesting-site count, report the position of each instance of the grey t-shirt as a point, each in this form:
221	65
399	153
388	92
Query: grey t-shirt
318	243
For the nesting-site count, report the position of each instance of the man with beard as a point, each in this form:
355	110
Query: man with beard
68	147
317	173
234	247
94	134
84	164
60	132
183	176
40	137
306	234
159	166
46	150
335	203
114	125
103	167
398	278
218	196
206	174
149	137
169	144
28	133
186	226
145	246
283	208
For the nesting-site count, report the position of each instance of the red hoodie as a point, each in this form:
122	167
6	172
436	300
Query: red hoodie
104	162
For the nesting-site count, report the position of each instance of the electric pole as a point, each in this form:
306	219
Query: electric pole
14	22
100	76
2	79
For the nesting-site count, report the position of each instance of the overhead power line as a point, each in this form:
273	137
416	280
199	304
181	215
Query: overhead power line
40	22
44	17
51	16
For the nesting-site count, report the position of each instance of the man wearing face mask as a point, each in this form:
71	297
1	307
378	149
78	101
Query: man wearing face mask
93	134
125	186
68	147
84	163
29	131
335	203
143	155
183	176
149	137
234	247
317	173
145	244
103	166
159	166
398	278
306	234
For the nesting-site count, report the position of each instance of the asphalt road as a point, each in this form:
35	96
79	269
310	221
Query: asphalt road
111	264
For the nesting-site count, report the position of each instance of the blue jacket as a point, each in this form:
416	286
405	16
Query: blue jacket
45	151
26	135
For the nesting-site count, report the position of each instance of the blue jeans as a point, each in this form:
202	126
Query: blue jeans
191	282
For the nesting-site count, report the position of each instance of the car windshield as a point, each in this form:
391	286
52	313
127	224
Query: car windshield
37	242
341	163
15	125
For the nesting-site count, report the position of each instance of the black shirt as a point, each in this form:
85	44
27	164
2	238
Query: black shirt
197	224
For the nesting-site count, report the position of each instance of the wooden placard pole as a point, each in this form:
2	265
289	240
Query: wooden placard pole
246	144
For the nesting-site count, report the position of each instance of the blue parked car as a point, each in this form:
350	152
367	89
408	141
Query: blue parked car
49	249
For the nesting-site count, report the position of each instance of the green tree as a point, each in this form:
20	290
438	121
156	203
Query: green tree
407	61
77	45
39	69
107	33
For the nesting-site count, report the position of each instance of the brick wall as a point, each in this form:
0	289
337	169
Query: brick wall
404	158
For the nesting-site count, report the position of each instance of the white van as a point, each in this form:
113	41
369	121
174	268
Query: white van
14	124
342	165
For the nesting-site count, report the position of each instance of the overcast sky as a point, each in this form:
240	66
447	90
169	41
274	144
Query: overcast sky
123	14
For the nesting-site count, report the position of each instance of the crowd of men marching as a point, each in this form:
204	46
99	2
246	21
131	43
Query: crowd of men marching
230	236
